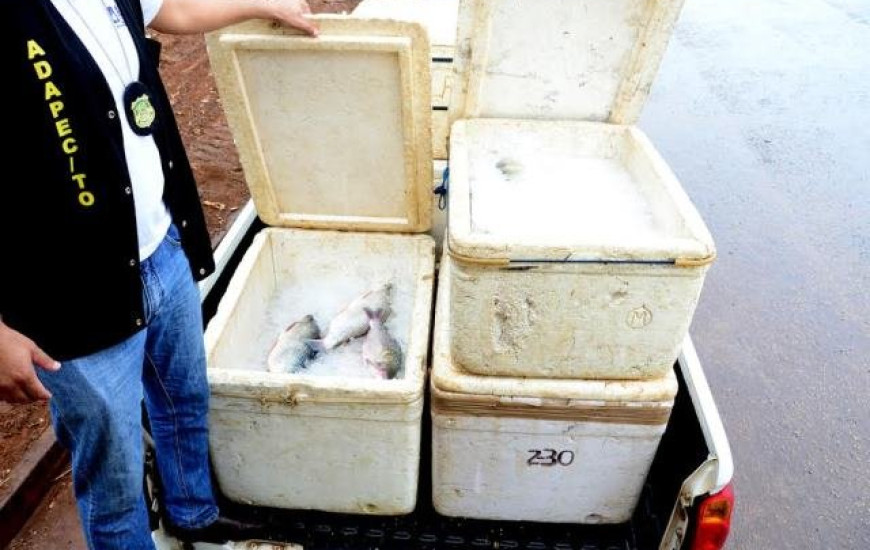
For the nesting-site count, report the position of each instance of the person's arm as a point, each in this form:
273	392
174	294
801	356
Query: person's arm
200	16
18	355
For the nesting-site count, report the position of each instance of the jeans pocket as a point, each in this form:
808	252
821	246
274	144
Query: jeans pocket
173	236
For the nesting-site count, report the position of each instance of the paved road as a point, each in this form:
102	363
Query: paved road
762	108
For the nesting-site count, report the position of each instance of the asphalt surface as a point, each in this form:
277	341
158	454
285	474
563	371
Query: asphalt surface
762	109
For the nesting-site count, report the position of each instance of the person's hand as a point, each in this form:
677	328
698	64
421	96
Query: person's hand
293	13
18	355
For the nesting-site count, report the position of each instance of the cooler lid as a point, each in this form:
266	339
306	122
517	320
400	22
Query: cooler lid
332	132
559	59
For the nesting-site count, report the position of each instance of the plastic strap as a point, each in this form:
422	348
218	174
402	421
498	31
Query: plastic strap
441	190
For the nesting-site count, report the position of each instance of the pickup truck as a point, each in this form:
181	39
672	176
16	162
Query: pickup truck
686	503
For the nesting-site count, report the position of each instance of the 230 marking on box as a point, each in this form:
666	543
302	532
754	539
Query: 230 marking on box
550	457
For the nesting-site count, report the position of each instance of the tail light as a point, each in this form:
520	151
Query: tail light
714	520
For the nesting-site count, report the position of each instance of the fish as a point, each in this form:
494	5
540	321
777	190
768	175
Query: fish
291	351
352	322
381	352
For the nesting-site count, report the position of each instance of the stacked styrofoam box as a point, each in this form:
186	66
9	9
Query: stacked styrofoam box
538	449
576	260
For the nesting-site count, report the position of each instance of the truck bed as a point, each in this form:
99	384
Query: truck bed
682	449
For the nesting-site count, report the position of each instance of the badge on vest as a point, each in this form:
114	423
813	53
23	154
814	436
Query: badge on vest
141	114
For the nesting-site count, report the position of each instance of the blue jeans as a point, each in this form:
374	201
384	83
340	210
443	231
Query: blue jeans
96	412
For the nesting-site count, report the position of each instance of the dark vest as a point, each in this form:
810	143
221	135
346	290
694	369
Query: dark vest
69	269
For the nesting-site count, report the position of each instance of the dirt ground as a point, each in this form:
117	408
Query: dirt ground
20	426
186	72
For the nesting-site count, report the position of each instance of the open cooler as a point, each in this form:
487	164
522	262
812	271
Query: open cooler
572	451
577	253
333	136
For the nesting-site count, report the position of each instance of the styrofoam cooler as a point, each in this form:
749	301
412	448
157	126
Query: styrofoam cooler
587	262
439	18
333	135
578	253
307	441
524	449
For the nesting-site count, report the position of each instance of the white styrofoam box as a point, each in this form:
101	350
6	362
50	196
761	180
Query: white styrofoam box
302	441
523	449
333	132
442	85
439	18
559	59
578	254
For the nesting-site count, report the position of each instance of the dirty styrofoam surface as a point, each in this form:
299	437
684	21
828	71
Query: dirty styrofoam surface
545	189
559	59
578	254
341	443
522	449
333	132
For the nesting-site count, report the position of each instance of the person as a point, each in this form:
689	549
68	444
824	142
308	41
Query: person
103	238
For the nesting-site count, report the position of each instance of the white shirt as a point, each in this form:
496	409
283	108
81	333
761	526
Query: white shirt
143	158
